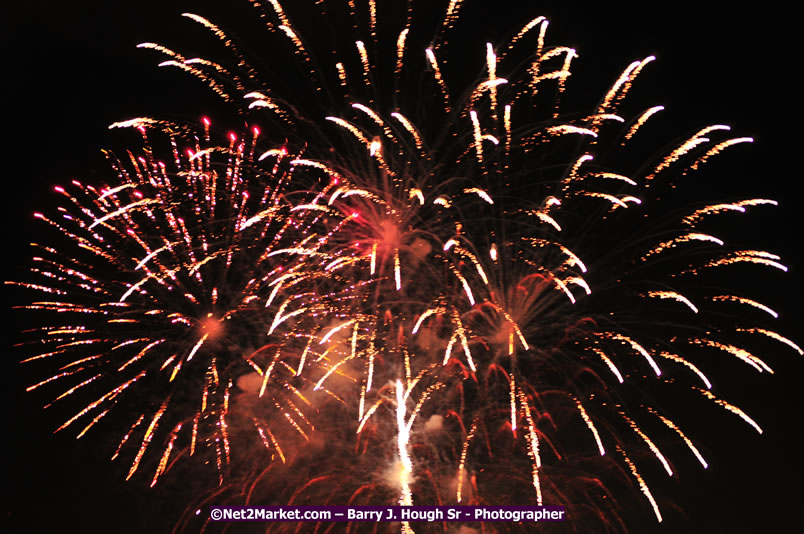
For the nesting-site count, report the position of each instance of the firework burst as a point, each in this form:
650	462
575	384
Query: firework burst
186	282
459	287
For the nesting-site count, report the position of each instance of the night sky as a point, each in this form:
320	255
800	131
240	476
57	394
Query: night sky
71	70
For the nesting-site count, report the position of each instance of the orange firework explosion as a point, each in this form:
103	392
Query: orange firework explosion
407	289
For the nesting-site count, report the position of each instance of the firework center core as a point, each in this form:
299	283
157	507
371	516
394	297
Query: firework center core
211	327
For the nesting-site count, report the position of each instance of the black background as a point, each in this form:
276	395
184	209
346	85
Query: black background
70	70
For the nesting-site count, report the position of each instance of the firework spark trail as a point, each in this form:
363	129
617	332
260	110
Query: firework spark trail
403	439
427	245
